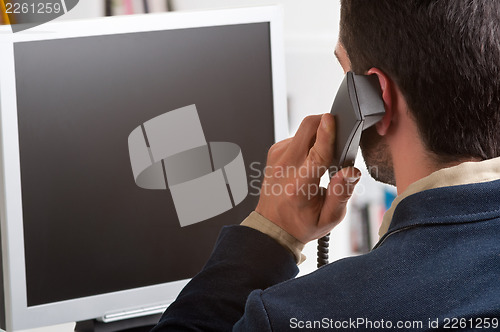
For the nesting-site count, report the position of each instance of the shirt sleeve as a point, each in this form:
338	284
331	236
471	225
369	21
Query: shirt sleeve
258	222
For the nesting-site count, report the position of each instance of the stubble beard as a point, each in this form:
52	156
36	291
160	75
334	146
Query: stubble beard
377	157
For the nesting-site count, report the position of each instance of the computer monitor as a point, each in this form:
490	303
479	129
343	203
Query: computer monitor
82	236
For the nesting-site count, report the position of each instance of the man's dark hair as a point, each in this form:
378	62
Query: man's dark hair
445	57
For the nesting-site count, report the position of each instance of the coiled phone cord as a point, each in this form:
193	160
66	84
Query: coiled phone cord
323	250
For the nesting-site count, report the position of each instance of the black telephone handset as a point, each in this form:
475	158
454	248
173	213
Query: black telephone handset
357	106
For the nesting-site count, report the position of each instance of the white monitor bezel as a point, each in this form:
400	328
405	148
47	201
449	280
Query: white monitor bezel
18	314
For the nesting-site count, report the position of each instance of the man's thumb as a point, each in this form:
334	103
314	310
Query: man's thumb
340	189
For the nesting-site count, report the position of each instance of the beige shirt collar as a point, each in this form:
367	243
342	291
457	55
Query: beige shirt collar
465	173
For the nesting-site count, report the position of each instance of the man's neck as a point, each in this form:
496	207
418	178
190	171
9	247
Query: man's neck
409	170
418	165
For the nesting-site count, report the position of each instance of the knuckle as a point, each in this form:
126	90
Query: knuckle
317	158
309	120
273	152
277	150
339	191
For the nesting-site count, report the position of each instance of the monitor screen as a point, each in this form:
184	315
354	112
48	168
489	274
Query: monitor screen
88	227
78	100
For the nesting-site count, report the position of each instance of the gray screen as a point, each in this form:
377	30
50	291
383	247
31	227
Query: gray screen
88	228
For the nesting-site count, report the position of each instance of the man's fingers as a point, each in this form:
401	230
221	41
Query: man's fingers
301	142
321	153
339	191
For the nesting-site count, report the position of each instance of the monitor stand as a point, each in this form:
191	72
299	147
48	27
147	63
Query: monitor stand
139	324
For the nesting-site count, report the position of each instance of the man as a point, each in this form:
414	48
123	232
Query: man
438	261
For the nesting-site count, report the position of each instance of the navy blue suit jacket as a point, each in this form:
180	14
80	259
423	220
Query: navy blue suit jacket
439	264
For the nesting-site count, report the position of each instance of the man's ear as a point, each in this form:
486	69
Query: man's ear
387	95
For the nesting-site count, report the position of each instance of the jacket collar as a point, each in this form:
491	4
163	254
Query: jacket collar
446	206
460	175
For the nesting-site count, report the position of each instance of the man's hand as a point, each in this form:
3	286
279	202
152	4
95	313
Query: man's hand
291	196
